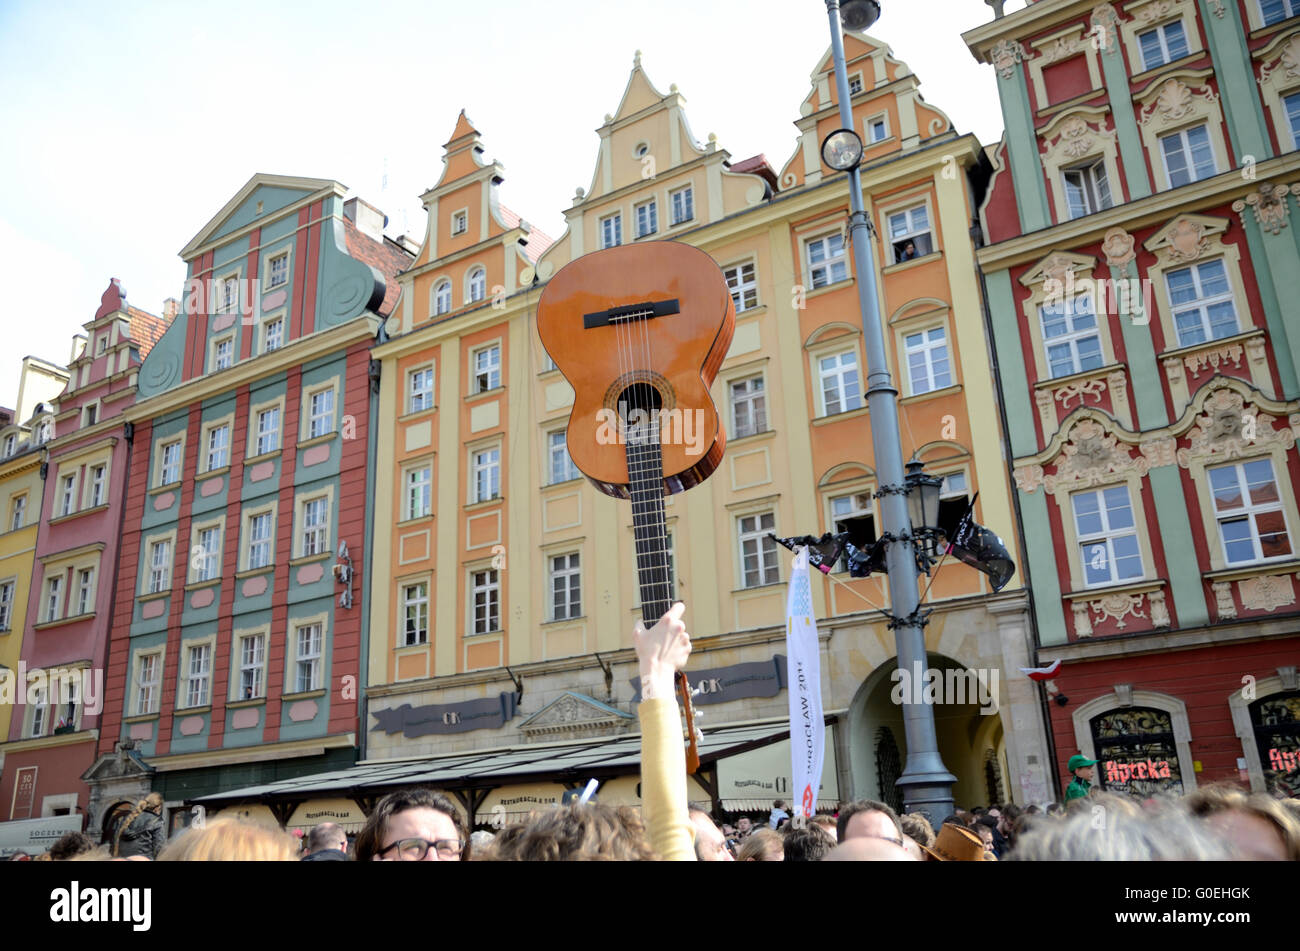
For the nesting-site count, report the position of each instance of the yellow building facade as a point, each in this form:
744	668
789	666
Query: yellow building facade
504	586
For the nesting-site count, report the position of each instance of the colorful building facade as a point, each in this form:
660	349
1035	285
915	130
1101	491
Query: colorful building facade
1141	269
83	448
240	608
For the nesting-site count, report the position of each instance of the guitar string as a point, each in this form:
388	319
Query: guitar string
657	572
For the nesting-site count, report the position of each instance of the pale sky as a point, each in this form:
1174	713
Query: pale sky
128	125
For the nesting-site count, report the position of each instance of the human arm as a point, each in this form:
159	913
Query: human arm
662	651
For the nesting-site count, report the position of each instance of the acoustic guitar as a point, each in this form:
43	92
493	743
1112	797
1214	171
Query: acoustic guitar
639	331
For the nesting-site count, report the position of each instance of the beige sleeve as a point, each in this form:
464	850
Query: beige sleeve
663	781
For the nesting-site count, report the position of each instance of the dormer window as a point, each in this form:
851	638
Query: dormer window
101	345
855	84
460	222
91	415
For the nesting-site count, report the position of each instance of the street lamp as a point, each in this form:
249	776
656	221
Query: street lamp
923	500
926	785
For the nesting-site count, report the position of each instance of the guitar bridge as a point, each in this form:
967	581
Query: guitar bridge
630	312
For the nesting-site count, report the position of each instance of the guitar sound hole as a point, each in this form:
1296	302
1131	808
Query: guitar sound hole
638	407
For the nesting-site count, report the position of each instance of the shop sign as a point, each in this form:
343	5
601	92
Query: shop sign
764	773
442	718
764	678
24	793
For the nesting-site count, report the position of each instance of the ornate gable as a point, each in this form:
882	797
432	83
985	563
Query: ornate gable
1186	238
576	715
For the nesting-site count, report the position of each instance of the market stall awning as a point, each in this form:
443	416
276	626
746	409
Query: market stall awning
577	761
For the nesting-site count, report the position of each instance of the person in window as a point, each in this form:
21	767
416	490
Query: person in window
1083	771
907	252
141	832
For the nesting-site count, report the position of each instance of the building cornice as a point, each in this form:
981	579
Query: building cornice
252	754
1129	645
1030	19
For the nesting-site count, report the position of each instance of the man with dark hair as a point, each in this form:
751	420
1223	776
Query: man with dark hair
414	825
326	843
807	844
710	846
868	819
70	844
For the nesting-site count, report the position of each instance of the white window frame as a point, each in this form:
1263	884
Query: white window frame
856	77
267	439
415	609
18	511
67	493
1292	118
1161	32
147	694
196	678
913	231
684	210
314	524
271	282
1249	511
250	662
754	400
441	300
179	445
827	266
652	206
460	222
211	551
838	374
744	289
253	543
1186	149
52	597
560	465
764	549
217	364
853	511
419	392
300	657
490	589
228	294
38	713
1290	8
86	590
11	443
213	452
7	589
417	486
492	368
611	226
320	422
489	468
869	126
1072	336
96	484
926	348
160	575
1107	536
1202	303
1091	179
476	284
273	321
565	603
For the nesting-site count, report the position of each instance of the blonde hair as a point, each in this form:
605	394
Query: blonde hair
231	840
152	802
756	846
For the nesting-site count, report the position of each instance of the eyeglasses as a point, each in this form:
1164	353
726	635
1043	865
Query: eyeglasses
415	850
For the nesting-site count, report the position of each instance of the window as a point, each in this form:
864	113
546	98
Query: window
647	218
442	297
40	709
1188	156
218	447
855	84
827	262
1290	103
877	129
566	587
562	467
1202	303
315	526
147	671
69	495
548	364
97	474
1275	11
229	289
309	658
927	360
320	413
419	492
1164	44
71	707
855	515
273	335
1107	535
17	512
279	270
268	431
44	431
421	390
85	591
223	354
6	605
1252	525
252	656
1086	189
487	474
758	563
487	601
683	204
415	609
1070	336
909	233
954	502
169	471
839	382
487	369
91	415
101	344
10	442
208	555
459	222
748	407
611	231
260	533
477	284
744	286
160	567
197	668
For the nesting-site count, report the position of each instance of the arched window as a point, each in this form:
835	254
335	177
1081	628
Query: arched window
442	297
1136	752
888	769
1276	722
477	284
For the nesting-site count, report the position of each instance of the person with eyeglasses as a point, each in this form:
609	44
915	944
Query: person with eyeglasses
414	825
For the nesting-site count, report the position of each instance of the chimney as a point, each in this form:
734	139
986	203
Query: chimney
369	220
171	306
407	244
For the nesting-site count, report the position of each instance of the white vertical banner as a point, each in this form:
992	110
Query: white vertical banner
807	724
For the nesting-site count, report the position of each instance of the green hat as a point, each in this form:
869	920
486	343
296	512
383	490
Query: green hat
1078	761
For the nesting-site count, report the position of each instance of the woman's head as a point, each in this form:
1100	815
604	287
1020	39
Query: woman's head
404	824
231	840
588	833
763	845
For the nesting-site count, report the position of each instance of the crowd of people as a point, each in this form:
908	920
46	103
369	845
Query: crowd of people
1214	822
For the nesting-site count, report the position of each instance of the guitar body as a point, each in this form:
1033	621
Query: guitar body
641	327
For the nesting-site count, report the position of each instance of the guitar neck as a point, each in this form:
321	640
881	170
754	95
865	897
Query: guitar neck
646	487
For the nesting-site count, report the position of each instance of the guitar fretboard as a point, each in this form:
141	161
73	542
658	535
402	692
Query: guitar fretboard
645	469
